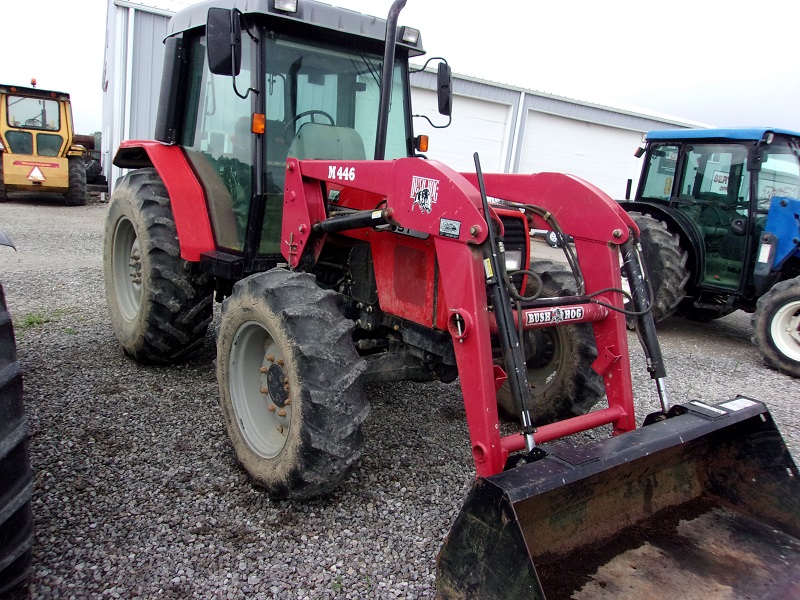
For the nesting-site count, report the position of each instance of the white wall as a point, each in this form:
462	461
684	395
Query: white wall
600	154
478	125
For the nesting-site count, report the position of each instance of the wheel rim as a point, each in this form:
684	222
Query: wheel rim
544	360
127	265
785	330
259	389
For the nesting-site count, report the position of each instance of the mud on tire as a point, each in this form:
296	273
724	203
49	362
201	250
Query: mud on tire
160	305
665	263
289	382
559	361
76	195
776	327
16	483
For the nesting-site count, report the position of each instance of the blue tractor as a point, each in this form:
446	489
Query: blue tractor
720	221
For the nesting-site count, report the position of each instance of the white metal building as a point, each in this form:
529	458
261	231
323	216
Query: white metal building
514	130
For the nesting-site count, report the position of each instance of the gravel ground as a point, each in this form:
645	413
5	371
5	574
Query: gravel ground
137	491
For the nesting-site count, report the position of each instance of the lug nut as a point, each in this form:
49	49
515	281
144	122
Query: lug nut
281	413
279	362
264	390
263	370
288	401
286	386
280	428
271	408
271	357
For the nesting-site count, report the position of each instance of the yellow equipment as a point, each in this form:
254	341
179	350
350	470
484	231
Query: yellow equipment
36	144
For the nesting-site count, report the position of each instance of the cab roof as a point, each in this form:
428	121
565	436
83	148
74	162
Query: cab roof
316	14
746	133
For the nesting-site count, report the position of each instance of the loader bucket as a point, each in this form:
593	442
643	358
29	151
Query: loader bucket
702	505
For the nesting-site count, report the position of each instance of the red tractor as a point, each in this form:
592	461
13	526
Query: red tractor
285	179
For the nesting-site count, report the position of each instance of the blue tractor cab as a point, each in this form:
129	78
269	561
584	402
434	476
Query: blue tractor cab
720	212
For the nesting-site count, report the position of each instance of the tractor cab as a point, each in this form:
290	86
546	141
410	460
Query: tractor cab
720	183
299	80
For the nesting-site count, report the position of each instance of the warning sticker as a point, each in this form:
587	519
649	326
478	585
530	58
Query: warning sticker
35	163
36	175
449	228
738	404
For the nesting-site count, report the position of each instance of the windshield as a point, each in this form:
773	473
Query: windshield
314	83
33	113
779	176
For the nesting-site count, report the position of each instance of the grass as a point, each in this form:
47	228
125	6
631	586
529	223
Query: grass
37	320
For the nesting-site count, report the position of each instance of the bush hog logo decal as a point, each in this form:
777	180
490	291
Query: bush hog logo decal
425	193
553	315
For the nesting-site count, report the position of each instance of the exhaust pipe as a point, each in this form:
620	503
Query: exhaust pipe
387	78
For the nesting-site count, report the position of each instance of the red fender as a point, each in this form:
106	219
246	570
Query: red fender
186	195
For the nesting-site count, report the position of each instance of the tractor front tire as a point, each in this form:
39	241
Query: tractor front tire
559	359
289	384
665	263
16	481
160	305
76	195
776	327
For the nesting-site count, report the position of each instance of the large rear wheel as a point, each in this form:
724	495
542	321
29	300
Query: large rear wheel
665	263
776	327
160	305
76	195
289	383
559	361
16	482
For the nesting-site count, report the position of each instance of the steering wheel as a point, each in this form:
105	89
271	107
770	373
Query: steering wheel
34	122
308	113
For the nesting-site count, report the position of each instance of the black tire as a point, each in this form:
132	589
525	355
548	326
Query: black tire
16	481
3	195
776	327
76	195
559	361
665	263
160	305
307	446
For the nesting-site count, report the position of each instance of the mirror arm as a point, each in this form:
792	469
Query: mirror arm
234	14
449	120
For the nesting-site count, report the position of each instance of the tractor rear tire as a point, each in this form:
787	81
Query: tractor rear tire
16	481
160	304
76	195
289	384
665	263
776	327
559	360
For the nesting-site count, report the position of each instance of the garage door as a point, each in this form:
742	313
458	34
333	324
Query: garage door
478	126
600	154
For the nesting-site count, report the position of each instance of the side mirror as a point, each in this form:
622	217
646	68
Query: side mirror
224	41
444	87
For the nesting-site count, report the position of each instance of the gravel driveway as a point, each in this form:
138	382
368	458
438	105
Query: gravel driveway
137	491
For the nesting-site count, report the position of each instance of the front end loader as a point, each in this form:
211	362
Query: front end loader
336	270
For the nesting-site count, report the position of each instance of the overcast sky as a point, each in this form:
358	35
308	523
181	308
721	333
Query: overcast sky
722	63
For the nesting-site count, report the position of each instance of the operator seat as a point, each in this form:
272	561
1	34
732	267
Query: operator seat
320	141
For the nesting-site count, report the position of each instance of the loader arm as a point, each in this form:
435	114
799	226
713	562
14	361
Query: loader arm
433	200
